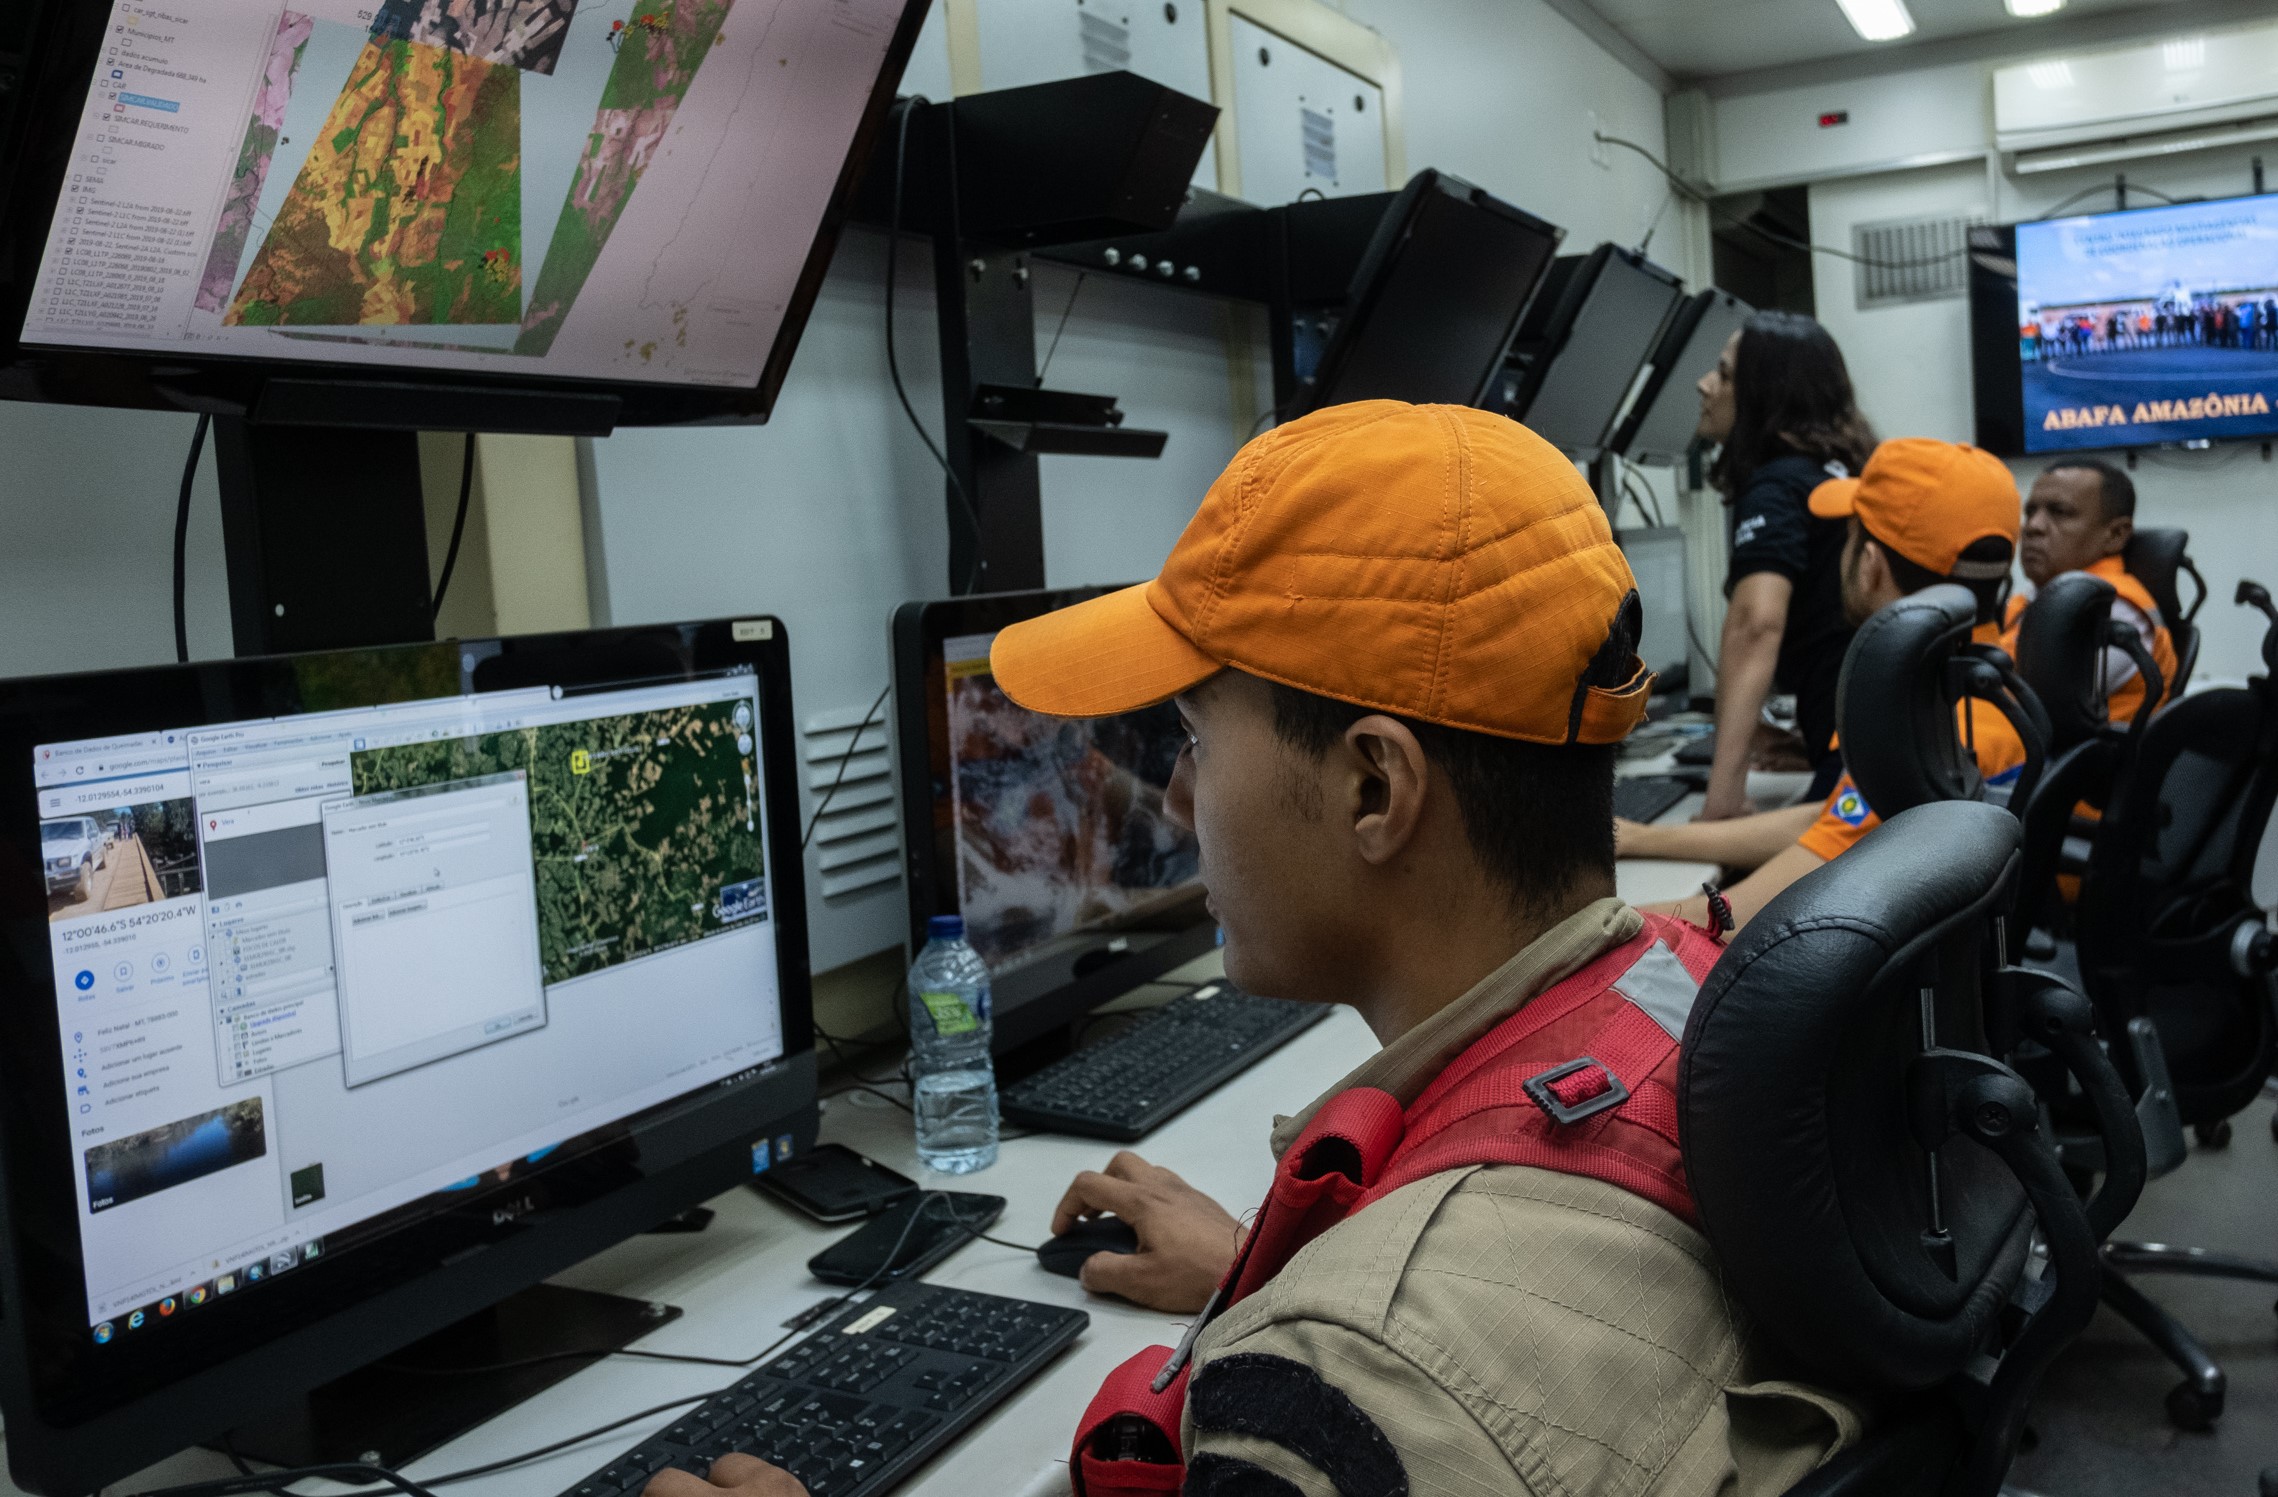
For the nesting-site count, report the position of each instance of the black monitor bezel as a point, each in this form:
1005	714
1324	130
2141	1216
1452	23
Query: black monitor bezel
35	155
1997	375
1667	356
1031	1000
79	1416
1560	303
1380	263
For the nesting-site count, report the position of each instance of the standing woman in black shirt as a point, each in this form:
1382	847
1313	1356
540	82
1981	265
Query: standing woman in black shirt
1780	402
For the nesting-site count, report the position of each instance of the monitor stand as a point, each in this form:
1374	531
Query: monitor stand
403	1406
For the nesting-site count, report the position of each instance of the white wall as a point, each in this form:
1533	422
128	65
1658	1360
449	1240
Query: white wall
1912	363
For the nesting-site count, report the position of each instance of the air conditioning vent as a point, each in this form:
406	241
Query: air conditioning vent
858	841
1320	132
1911	260
1107	44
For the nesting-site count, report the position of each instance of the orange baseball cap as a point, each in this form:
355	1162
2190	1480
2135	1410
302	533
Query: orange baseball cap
1931	501
1429	560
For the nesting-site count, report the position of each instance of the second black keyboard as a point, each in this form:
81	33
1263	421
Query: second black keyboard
1648	797
867	1399
1126	1086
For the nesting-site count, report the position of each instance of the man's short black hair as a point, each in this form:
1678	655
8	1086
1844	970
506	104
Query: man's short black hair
1990	592
1539	817
2115	490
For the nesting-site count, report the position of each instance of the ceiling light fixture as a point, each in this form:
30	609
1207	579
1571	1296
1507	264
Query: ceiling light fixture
1878	20
2025	10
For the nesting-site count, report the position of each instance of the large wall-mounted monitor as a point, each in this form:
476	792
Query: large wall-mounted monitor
1583	344
347	994
1047	834
528	195
2134	329
1435	300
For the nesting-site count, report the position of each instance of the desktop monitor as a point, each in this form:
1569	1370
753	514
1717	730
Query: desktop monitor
1434	301
1047	834
349	994
331	210
1582	344
1658	431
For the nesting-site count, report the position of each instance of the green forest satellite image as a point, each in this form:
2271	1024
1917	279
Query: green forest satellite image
644	827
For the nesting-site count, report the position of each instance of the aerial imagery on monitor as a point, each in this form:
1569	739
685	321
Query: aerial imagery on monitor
644	827
1059	822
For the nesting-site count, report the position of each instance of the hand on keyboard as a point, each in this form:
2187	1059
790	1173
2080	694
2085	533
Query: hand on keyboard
1186	1239
744	1475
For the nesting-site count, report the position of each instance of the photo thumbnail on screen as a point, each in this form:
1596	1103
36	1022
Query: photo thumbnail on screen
1060	823
143	1164
119	856
2153	326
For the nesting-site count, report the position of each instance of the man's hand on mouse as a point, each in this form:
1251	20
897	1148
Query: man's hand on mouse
744	1475
1186	1239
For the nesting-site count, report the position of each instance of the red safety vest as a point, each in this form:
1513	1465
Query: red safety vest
1581	1080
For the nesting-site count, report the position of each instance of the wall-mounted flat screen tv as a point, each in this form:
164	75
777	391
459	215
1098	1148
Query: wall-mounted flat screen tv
2136	329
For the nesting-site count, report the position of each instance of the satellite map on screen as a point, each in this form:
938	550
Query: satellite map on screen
1060	821
645	827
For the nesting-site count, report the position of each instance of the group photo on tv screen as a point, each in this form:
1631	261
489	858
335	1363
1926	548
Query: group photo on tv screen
2153	326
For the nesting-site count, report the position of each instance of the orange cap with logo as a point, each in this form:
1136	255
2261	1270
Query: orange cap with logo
1931	501
1433	561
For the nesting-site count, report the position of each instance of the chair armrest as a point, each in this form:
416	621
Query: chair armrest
2164	1148
1908	1456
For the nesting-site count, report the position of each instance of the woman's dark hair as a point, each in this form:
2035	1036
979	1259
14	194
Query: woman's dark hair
1791	393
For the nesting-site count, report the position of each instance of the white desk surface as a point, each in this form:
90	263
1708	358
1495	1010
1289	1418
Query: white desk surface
741	1278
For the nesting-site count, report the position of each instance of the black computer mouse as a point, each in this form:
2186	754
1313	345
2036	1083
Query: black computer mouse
1065	1254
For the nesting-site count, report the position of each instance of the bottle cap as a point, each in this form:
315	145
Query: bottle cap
945	928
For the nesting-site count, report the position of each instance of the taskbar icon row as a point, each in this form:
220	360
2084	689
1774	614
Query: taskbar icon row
284	1260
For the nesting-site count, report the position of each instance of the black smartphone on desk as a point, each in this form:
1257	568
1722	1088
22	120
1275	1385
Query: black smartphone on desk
832	1183
943	1220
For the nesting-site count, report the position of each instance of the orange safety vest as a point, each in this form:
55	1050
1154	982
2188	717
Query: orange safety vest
1582	1080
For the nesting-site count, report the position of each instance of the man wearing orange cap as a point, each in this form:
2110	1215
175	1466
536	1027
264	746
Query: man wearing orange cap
1921	513
1402	642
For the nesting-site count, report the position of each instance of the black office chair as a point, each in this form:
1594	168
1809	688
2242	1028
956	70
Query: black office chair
1907	670
2156	558
2060	658
1871	1174
2168	931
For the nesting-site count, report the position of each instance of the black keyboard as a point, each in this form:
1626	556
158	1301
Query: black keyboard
1126	1086
1648	797
864	1401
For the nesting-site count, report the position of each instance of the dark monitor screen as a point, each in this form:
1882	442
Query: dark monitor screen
1047	834
631	194
1584	340
338	983
1663	419
2134	329
1435	299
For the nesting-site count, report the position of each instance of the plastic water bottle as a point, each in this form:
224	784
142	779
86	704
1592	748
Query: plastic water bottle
953	1089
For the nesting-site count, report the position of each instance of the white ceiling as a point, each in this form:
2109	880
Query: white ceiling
1694	39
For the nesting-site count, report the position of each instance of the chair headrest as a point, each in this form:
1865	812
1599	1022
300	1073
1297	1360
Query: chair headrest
1792	1105
2060	655
1894	706
2154	558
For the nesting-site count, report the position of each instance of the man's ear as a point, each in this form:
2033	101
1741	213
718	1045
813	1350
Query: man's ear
2119	530
1389	781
